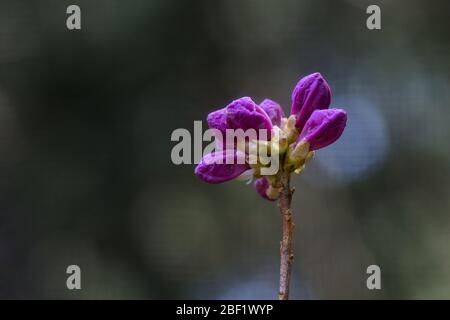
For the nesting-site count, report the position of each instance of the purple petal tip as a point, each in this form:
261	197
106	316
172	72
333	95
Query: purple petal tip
311	93
273	110
245	114
323	128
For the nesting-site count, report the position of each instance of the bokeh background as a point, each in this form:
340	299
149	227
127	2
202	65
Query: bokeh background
86	176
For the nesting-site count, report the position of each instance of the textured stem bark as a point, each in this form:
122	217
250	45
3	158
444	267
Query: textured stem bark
286	248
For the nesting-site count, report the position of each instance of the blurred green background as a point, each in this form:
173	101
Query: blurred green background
86	176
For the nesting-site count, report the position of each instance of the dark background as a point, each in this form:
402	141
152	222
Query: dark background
86	176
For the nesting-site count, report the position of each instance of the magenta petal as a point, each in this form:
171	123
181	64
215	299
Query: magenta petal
213	167
218	120
273	110
323	128
311	93
245	114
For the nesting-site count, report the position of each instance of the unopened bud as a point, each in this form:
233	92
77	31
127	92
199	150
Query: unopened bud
299	152
290	129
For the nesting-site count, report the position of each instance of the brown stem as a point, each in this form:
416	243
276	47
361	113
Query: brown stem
286	250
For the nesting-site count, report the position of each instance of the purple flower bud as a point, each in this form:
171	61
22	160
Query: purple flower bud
311	93
323	128
261	186
265	189
245	114
273	110
218	167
